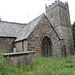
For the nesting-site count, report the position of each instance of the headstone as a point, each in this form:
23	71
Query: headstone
14	49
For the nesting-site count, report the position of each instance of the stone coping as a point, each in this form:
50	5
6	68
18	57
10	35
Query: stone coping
18	53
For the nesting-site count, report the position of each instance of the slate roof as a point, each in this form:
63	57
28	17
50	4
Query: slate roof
28	29
10	29
20	31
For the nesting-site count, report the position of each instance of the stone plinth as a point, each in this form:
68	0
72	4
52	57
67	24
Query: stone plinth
19	58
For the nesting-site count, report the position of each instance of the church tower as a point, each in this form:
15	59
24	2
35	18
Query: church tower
58	15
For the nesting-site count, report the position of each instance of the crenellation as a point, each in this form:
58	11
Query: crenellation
64	5
56	3
52	5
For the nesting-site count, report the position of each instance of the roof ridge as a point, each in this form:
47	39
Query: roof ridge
28	28
36	18
13	22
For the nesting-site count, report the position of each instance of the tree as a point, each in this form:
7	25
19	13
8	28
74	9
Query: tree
73	32
73	26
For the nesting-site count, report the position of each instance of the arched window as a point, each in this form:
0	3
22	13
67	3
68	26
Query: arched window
46	47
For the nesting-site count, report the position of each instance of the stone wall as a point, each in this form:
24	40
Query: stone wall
35	39
6	43
25	45
21	45
71	45
18	46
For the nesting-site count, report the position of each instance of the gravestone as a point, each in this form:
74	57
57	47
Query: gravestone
18	58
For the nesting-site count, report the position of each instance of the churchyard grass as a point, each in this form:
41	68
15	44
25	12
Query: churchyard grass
41	66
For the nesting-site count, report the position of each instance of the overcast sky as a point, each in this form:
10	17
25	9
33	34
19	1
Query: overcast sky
23	11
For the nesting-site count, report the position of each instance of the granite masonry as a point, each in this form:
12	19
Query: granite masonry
47	35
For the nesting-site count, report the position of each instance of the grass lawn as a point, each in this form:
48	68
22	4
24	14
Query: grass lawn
41	66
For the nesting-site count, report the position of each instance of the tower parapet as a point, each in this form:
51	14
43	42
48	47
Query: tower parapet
56	3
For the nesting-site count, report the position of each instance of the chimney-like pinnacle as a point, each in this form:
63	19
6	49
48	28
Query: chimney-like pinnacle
45	5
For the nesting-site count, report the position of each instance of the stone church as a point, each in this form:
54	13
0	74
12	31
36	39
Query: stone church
49	34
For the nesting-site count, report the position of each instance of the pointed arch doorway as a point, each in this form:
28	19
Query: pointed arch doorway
46	47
